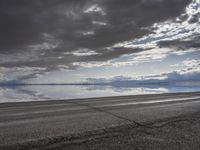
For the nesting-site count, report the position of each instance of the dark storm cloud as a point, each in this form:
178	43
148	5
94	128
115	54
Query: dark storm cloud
181	44
50	28
106	55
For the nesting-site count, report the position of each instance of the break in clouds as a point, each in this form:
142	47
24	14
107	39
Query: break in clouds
41	36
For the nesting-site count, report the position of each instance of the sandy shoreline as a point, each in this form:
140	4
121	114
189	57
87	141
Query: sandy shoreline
163	121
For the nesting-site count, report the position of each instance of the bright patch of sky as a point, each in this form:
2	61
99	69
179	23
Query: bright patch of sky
135	70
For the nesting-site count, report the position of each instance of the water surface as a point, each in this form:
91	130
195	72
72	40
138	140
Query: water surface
55	92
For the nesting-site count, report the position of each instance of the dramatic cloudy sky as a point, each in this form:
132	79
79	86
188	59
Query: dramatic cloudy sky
45	41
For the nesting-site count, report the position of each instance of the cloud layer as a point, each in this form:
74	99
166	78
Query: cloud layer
49	34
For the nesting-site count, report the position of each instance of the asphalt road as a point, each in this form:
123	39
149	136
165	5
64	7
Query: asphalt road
29	122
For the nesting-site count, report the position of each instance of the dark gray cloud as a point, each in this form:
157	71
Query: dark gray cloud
47	29
182	44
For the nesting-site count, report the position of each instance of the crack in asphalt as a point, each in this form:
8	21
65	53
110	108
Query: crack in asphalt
82	138
132	122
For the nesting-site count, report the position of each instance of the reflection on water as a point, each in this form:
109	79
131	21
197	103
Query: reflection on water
54	92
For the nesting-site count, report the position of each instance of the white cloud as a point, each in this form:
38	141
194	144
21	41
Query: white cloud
153	54
94	8
86	33
60	57
188	63
63	67
168	31
165	31
99	23
84	52
190	71
92	64
189	66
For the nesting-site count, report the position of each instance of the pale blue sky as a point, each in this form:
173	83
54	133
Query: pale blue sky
134	70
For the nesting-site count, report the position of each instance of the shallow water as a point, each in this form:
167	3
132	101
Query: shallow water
55	92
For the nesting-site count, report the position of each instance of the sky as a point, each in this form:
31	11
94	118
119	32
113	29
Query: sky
71	41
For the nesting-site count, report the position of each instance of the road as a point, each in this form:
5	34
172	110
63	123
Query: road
26	122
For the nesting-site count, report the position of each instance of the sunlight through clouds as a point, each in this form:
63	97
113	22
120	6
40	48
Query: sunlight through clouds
89	35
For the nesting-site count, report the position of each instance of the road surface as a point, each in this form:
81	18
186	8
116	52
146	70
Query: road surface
31	124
